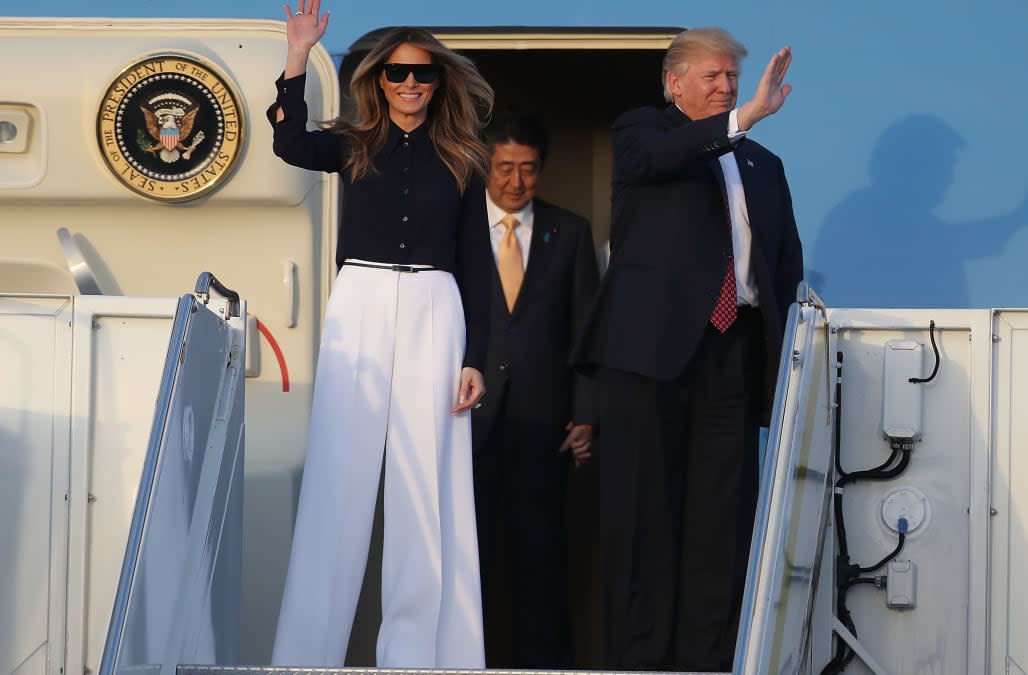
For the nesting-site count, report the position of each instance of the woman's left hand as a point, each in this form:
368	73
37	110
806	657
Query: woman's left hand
472	388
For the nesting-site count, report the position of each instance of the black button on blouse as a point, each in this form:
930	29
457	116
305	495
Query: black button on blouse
408	211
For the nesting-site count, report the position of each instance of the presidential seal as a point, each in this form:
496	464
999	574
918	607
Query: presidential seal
170	128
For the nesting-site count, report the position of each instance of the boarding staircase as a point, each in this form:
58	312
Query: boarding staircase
121	439
952	503
194	613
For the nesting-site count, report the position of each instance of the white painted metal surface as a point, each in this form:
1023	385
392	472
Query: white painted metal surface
35	338
122	341
1008	589
264	217
949	466
82	375
944	493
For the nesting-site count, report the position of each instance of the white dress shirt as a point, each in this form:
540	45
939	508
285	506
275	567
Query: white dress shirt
745	284
523	232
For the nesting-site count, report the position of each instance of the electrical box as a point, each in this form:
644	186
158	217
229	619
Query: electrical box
902	400
901	589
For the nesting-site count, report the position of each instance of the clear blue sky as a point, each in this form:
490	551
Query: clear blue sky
350	20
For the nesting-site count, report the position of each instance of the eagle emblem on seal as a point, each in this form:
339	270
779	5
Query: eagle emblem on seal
171	127
169	123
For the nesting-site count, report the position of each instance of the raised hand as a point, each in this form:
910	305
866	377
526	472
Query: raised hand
303	30
771	91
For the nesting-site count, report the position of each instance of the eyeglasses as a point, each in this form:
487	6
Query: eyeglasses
425	73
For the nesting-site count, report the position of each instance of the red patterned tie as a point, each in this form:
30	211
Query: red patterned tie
725	311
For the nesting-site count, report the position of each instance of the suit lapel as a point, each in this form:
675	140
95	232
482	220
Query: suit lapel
755	171
719	174
751	176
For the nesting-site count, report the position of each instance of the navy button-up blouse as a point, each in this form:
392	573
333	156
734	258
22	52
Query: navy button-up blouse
409	210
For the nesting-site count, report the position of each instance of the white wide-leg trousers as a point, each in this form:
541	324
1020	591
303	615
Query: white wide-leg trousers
387	377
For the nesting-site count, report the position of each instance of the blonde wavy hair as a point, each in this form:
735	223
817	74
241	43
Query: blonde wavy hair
458	111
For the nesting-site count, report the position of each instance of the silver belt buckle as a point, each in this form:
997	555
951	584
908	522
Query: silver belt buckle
404	268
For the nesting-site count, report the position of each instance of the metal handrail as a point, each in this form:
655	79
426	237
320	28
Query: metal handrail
805	294
205	282
763	511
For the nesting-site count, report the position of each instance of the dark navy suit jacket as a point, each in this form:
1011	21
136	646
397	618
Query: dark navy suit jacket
527	357
670	244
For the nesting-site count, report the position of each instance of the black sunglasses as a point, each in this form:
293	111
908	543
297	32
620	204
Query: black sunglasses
425	73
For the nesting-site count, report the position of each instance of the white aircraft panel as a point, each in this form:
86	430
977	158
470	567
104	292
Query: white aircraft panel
128	355
1009	649
943	490
33	475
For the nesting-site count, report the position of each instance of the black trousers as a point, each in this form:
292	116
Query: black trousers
678	485
520	485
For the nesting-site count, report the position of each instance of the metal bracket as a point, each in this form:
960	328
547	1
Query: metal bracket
859	649
81	273
205	282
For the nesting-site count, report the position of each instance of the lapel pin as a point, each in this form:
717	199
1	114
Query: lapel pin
749	162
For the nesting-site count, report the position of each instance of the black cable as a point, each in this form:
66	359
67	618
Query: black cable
834	666
865	580
847	574
878	474
880	563
838	413
840	527
875	473
855	580
935	370
886	463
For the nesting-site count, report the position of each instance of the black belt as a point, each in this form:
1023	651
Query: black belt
391	267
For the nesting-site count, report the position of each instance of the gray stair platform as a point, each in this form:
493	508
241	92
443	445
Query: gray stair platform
269	670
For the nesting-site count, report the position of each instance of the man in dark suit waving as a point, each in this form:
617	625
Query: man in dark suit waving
685	338
537	411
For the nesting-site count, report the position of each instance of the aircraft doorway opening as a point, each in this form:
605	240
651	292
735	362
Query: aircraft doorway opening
577	81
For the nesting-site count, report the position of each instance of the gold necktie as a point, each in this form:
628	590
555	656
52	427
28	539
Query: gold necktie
509	262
